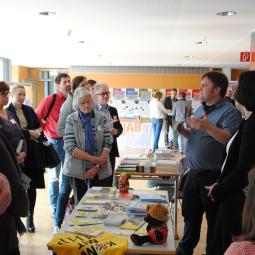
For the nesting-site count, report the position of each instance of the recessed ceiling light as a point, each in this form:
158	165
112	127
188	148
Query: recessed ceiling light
201	42
99	55
47	13
189	56
81	41
226	13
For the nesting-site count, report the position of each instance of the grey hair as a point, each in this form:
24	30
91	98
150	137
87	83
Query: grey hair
99	86
16	86
78	95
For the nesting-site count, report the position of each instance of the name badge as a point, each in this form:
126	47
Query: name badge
13	121
99	128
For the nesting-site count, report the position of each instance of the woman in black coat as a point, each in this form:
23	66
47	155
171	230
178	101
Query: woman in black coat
30	125
9	219
228	190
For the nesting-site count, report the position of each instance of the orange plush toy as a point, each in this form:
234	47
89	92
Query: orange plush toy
123	183
157	217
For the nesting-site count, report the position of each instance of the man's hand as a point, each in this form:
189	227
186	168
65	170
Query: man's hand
91	173
5	194
209	189
200	124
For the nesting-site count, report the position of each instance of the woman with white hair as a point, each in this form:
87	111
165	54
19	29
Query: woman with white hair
87	142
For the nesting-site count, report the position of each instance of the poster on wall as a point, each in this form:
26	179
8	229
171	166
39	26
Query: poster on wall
131	94
118	94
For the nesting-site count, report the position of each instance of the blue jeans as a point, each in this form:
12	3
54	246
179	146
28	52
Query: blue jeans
156	127
63	196
55	172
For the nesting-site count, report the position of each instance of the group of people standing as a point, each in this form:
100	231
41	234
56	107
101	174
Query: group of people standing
169	114
83	130
220	156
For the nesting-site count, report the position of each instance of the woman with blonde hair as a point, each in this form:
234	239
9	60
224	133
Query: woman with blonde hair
27	119
157	109
245	245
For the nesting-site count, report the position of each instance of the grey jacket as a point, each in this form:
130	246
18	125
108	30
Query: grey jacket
181	111
65	111
75	138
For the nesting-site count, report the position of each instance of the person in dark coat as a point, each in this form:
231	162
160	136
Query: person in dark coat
9	219
102	94
228	190
30	125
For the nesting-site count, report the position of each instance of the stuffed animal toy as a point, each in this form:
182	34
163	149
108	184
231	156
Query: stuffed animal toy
157	217
123	183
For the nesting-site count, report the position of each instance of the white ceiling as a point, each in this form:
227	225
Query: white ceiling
125	32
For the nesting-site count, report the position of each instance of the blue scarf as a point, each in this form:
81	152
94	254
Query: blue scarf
89	141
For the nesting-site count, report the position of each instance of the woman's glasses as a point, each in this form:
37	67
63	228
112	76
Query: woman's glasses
104	94
5	93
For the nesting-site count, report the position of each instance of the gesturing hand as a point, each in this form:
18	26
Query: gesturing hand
209	189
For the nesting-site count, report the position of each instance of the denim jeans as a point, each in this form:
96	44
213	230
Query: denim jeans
156	127
63	196
55	172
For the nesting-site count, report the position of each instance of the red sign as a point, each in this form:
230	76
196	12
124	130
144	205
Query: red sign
245	56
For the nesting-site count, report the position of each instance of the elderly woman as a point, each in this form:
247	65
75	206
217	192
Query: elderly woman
102	93
30	126
228	190
87	142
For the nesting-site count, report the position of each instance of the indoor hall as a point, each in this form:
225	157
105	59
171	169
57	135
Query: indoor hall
143	51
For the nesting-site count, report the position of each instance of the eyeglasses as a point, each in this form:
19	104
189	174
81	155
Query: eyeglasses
5	93
104	94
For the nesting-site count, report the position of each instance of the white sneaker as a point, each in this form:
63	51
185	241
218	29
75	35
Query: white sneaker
55	230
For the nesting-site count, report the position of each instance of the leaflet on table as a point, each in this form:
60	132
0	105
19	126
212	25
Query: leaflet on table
95	201
100	190
86	222
115	219
85	231
153	198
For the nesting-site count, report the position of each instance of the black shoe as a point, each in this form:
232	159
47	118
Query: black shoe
30	223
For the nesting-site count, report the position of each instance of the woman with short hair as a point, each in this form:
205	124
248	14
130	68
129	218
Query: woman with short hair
87	142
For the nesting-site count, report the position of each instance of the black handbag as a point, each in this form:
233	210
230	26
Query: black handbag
51	158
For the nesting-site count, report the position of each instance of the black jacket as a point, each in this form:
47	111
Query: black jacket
240	160
168	103
117	125
31	167
19	204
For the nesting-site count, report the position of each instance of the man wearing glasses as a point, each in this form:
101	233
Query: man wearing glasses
102	94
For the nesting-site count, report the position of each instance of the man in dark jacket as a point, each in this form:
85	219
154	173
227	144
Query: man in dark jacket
168	103
102	93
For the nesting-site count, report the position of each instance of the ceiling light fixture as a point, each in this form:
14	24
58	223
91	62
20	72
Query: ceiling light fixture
81	42
47	13
226	13
189	56
203	42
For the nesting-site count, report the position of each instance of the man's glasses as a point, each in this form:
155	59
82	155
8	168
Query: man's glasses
5	93
104	94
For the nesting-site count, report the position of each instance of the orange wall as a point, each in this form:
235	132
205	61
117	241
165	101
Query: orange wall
117	80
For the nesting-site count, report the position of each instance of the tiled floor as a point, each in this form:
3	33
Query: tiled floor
36	244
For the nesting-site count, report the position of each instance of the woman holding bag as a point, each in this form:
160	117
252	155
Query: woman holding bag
30	126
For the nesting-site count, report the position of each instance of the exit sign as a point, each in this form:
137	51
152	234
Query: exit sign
245	56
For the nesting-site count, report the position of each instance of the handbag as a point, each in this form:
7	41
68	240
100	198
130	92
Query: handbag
51	158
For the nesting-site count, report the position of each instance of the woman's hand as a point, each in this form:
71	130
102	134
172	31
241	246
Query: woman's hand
34	133
209	189
114	131
100	160
21	157
91	173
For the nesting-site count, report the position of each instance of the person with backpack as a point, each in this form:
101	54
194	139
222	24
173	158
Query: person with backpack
48	113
